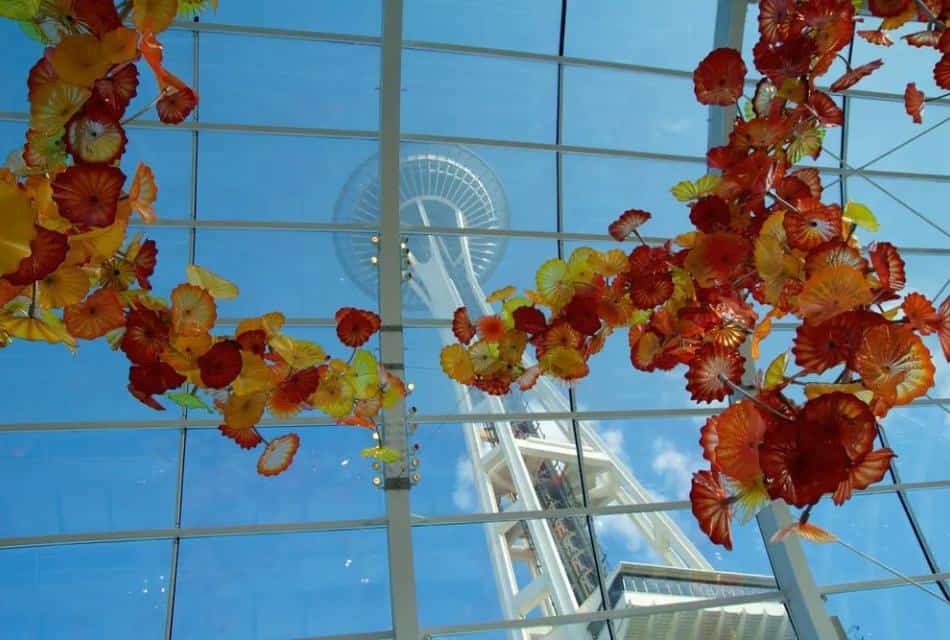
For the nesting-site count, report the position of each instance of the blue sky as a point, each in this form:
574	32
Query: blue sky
323	583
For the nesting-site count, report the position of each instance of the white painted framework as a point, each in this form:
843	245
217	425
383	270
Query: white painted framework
399	521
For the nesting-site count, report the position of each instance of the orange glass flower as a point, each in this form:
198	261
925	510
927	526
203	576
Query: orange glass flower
96	316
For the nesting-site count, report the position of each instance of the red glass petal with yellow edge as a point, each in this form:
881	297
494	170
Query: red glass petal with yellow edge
88	193
914	102
245	438
354	327
888	265
920	313
718	78
193	310
712	507
627	223
894	363
95	136
739	432
779	19
852	77
176	105
831	291
712	363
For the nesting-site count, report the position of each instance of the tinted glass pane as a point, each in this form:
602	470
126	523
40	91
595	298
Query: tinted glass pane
327	480
597	189
617	30
465	468
290	81
356	16
531	25
921	438
892	127
500	97
85	591
875	525
635	111
275	177
902	612
284	586
276	270
87	481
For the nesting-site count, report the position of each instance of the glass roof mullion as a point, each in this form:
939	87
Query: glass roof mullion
396	475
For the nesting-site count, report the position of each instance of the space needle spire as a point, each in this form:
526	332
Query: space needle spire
517	465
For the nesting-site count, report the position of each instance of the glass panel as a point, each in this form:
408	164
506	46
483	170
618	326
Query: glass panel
926	273
901	612
636	111
921	438
87	481
354	16
525	26
85	591
465	469
328	479
472	186
304	176
873	524
500	98
673	538
616	30
898	225
621	184
167	152
891	127
643	460
282	586
472	591
276	269
270	81
14	67
930	508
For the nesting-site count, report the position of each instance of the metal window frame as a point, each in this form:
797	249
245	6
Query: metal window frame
434	418
399	521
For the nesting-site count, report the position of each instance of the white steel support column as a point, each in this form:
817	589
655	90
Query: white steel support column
792	574
402	583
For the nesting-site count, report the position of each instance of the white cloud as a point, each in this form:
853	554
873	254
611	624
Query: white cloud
463	495
613	440
674	467
622	527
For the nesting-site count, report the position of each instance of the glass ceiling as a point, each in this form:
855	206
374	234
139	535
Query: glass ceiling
118	522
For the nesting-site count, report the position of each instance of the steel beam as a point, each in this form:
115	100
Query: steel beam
402	581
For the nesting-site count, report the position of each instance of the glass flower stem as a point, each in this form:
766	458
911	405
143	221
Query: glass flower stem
732	385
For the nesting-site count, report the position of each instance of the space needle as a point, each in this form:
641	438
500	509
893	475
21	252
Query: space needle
533	465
